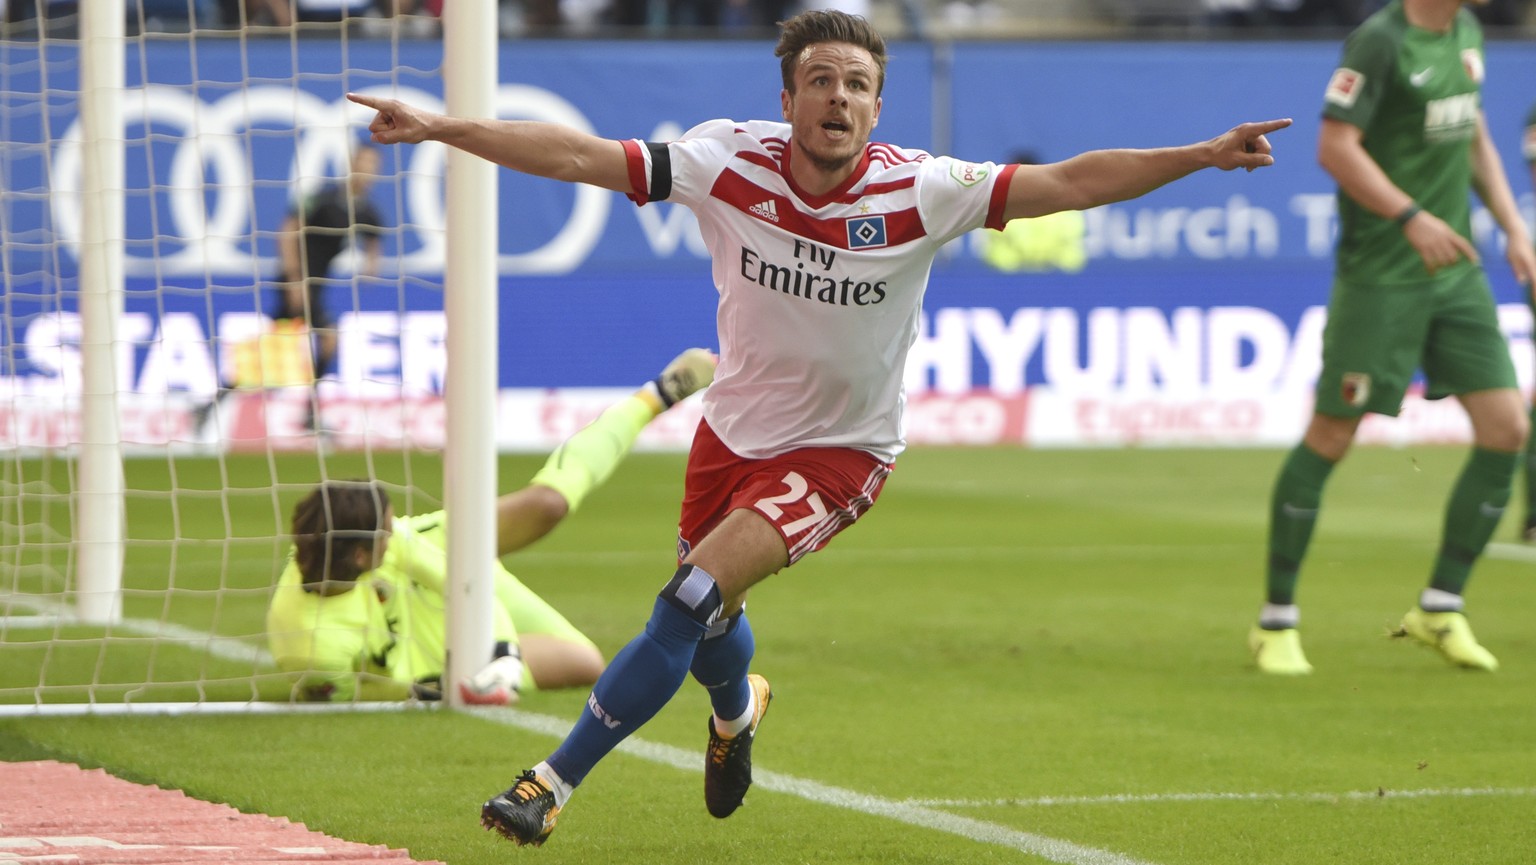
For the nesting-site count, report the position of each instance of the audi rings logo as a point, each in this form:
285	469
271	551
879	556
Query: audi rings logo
216	166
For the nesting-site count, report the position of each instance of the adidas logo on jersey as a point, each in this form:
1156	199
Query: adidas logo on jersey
768	210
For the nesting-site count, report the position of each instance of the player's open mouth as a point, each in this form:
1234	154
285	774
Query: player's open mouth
835	126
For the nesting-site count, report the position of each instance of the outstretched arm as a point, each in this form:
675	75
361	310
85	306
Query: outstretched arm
1106	176
528	146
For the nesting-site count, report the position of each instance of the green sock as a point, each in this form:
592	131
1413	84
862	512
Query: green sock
1292	513
1473	513
586	459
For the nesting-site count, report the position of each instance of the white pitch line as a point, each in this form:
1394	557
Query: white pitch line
1512	552
1153	798
48	614
1053	849
915	812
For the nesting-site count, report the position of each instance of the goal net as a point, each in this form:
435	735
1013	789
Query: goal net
160	407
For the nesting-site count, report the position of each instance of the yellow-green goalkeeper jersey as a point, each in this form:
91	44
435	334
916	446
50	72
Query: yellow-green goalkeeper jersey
1416	96
331	644
388	632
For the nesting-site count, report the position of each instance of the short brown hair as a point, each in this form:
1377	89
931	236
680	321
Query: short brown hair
829	25
331	523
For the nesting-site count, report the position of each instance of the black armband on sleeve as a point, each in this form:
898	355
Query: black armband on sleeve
661	171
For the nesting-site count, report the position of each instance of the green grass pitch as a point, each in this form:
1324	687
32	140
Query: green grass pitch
1018	657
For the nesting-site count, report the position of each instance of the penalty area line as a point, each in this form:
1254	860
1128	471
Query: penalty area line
913	814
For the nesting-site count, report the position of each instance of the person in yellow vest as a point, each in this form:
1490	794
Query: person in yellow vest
1045	243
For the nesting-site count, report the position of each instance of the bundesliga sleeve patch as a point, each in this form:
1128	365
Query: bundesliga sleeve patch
1344	87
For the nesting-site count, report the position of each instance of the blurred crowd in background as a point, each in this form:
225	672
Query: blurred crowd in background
898	19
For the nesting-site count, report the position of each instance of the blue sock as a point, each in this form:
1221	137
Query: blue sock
720	664
642	677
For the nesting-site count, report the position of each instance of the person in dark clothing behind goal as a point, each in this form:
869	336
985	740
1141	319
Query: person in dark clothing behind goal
313	237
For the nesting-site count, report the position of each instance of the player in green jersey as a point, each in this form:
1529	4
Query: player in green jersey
386	638
1528	530
1404	136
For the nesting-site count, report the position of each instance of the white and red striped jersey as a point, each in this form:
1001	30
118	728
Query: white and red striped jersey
819	294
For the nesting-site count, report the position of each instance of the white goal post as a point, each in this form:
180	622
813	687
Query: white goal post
147	474
99	529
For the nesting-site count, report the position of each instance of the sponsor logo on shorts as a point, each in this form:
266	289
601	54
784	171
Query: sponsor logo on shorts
1356	388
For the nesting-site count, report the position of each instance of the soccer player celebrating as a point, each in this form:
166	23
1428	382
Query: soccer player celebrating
359	612
822	243
1404	136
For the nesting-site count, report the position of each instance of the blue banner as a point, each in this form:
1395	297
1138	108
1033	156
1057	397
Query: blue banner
224	136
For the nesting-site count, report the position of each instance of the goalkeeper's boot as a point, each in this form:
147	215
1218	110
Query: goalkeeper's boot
728	762
1450	635
525	813
1278	652
687	374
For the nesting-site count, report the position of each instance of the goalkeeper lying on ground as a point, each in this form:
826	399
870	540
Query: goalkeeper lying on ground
359	612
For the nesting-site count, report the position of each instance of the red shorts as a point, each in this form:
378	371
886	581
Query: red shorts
809	494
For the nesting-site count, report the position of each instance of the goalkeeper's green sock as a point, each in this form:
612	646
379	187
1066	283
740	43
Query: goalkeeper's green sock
585	460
